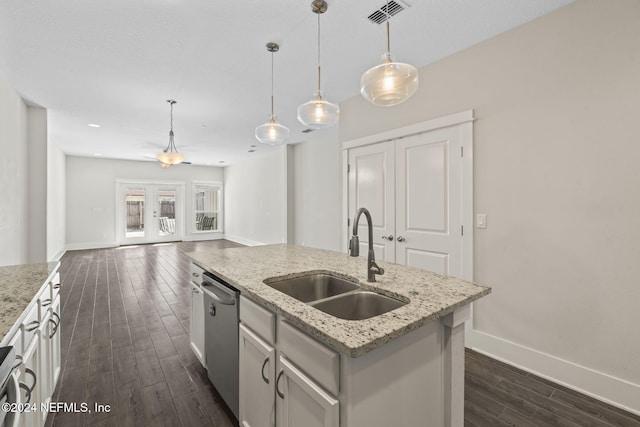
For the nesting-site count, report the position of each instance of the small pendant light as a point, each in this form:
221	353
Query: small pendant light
272	132
318	113
170	155
389	83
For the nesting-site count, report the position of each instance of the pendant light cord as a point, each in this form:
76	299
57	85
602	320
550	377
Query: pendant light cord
318	52
271	85
388	37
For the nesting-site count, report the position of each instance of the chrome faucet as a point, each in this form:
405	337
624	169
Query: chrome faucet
354	246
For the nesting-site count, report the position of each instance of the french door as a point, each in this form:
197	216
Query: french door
149	212
413	188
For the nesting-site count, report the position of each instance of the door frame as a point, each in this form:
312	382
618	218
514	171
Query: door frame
463	119
119	218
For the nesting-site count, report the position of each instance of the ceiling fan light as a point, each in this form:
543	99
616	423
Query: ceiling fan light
318	113
389	83
272	132
170	158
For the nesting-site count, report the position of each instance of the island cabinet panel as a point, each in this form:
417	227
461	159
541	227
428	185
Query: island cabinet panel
398	384
258	319
304	402
196	323
257	380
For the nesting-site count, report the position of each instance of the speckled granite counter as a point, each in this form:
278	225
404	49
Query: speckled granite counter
430	296
18	285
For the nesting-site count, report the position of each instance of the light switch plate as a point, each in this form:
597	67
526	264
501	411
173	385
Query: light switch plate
481	220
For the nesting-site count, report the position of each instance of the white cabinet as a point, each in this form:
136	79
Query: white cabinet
257	380
196	320
37	344
304	391
305	403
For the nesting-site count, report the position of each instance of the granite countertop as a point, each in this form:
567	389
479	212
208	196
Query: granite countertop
430	295
18	285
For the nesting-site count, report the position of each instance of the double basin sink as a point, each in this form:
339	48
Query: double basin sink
335	295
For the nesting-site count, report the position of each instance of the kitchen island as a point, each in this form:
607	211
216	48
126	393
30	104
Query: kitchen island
404	367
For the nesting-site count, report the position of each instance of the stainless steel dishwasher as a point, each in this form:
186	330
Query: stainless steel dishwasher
221	337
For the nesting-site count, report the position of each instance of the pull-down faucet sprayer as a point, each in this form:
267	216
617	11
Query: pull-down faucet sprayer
354	246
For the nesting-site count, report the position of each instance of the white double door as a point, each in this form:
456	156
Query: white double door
149	212
413	188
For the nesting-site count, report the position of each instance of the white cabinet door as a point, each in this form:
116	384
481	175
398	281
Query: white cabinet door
429	201
29	382
371	186
257	380
196	323
305	403
54	336
44	372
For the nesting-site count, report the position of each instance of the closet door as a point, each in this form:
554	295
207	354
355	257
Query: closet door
428	190
371	185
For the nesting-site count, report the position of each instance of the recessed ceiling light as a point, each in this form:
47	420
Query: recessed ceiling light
98	154
251	151
93	125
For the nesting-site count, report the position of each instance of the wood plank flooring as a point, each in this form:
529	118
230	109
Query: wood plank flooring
125	323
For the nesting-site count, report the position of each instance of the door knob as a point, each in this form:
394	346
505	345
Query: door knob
389	237
400	239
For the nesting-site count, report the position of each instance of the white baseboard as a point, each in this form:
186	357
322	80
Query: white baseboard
59	255
95	245
243	241
203	236
615	391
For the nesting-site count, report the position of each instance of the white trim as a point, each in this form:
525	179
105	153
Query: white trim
204	235
440	122
599	385
89	245
345	202
243	241
59	255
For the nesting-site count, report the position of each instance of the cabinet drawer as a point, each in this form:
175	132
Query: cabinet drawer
318	361
196	273
55	286
259	319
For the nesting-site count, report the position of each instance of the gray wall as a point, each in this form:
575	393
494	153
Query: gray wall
555	158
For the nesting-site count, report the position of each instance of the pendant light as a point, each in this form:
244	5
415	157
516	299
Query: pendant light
272	132
318	113
389	83
170	155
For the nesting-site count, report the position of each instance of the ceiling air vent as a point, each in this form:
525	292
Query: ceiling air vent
380	15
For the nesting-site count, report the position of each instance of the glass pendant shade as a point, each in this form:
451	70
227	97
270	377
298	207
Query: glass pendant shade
318	113
170	158
272	132
389	83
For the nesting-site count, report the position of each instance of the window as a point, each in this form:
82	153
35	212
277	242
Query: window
207	212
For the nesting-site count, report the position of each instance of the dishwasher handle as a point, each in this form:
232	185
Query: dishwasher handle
218	292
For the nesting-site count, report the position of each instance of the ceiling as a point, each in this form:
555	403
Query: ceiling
115	63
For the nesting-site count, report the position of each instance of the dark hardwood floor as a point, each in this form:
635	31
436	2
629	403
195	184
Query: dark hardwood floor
125	323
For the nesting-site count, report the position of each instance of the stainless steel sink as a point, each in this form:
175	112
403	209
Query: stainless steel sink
312	287
358	305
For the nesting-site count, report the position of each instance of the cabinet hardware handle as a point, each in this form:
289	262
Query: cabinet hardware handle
46	302
17	363
278	383
28	390
57	286
264	378
195	274
35	379
55	328
389	237
32	326
400	239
